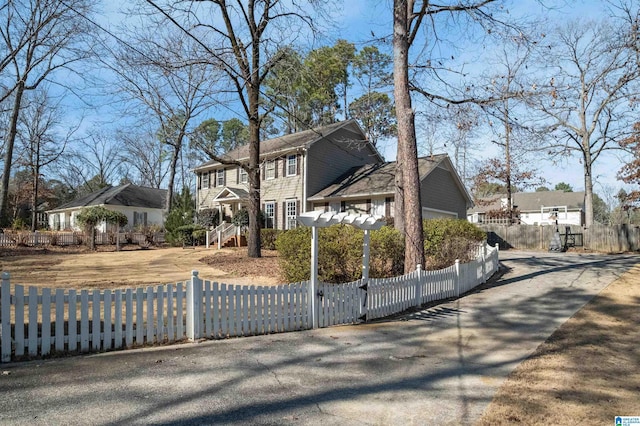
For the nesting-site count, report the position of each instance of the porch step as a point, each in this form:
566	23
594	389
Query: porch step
235	241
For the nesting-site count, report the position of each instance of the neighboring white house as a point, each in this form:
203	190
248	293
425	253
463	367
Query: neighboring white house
143	207
535	208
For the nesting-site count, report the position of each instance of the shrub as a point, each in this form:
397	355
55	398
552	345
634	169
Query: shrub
268	238
446	240
388	246
18	224
190	234
340	253
241	218
208	218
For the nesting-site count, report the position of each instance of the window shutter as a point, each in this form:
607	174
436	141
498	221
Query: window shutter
368	209
298	158
274	224
343	206
145	219
326	206
215	178
297	208
387	207
263	170
275	168
237	174
284	215
199	180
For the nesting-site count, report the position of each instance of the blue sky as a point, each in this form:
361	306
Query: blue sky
358	20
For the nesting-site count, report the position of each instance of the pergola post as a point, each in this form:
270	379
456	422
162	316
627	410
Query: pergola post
365	254
313	283
317	220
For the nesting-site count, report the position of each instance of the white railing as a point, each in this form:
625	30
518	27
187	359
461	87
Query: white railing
39	321
220	234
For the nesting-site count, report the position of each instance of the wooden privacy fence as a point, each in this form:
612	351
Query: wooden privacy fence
601	238
41	321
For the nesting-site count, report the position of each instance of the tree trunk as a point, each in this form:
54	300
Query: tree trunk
588	188
34	197
172	175
8	155
253	240
407	146
507	158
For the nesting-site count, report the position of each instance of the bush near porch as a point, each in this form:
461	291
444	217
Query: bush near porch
340	250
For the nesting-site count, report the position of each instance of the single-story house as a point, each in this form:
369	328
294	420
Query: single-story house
535	208
143	207
332	168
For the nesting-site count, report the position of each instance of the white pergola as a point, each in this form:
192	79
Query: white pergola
317	219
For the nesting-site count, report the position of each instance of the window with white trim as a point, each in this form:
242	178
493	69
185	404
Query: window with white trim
270	172
269	214
205	180
220	177
292	165
139	219
244	177
291	214
377	207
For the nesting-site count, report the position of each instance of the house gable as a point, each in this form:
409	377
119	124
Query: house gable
360	189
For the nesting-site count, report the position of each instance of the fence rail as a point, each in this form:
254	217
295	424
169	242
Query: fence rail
38	321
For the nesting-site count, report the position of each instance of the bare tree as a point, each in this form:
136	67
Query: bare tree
146	155
158	75
507	87
592	76
40	145
409	18
243	39
40	37
91	163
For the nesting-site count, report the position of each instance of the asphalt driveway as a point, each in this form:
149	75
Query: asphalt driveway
440	365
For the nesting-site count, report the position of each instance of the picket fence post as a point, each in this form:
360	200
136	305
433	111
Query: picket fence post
458	278
418	299
5	319
484	262
497	258
191	326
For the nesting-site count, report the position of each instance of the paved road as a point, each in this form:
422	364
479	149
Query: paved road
440	365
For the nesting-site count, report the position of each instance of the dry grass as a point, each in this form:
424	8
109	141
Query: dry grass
82	269
587	372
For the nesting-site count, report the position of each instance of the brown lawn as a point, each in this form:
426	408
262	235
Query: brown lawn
587	372
79	268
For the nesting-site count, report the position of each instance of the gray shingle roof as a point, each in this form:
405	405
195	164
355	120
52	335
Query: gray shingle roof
373	179
123	195
285	143
533	201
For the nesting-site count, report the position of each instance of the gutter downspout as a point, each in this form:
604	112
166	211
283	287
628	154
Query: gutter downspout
304	179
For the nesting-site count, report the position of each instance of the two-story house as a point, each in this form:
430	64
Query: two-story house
332	168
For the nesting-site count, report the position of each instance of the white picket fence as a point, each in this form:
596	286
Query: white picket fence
64	238
41	320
